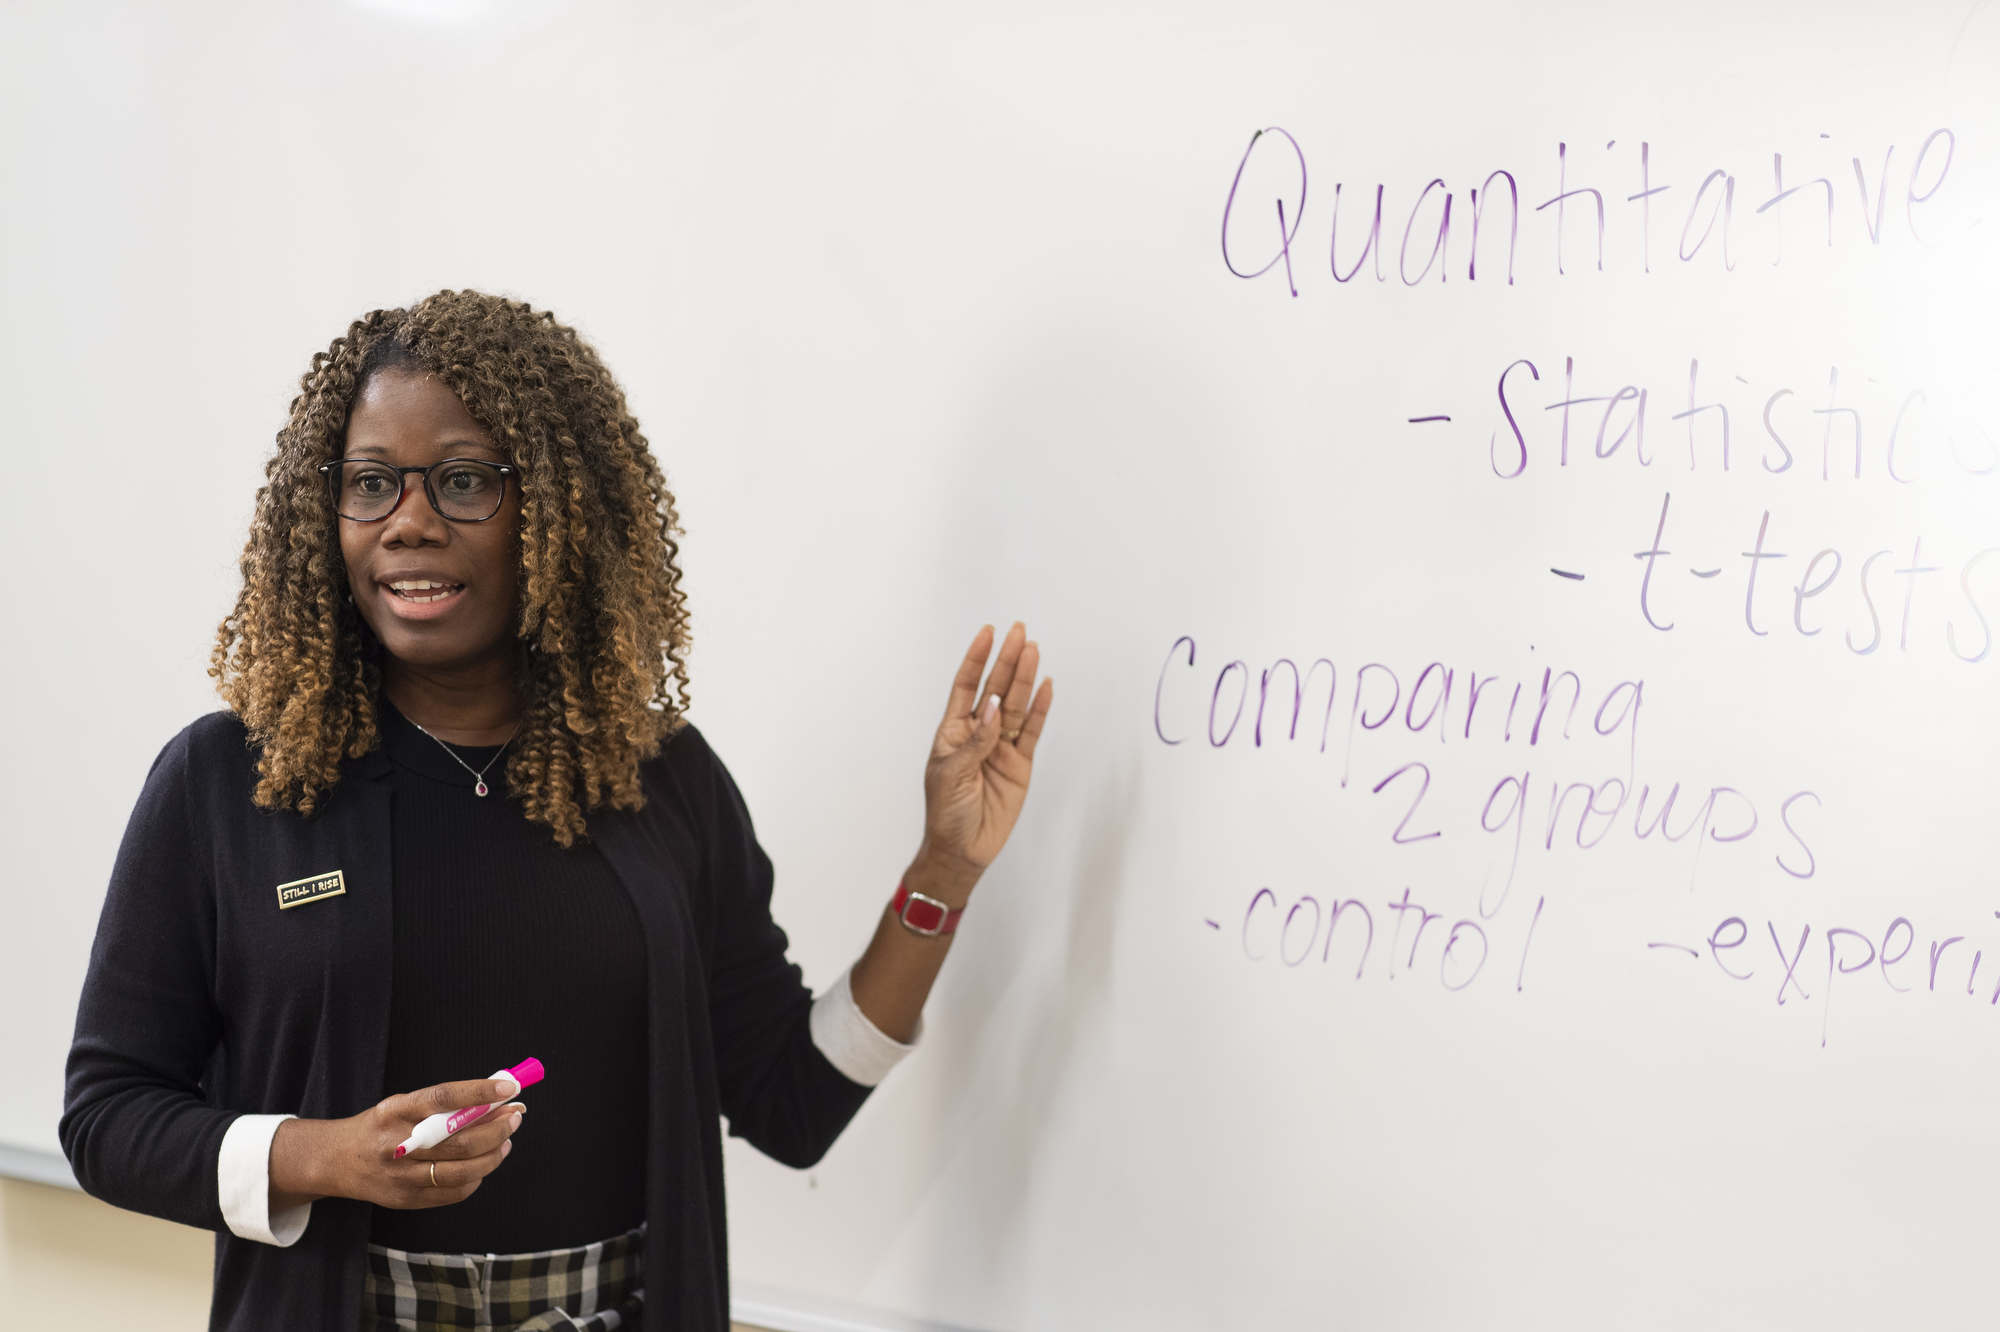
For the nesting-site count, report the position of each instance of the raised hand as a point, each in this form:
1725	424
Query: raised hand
980	762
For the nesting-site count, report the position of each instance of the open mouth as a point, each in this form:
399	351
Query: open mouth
422	593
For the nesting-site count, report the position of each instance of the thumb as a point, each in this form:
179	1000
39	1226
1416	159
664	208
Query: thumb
987	733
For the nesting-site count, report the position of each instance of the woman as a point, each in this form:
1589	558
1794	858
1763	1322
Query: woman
455	817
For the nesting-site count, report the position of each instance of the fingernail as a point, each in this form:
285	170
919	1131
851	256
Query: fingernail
506	1147
519	1108
992	706
506	1087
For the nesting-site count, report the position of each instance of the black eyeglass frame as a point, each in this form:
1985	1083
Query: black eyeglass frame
331	471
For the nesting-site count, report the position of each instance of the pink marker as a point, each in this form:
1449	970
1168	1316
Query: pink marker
434	1129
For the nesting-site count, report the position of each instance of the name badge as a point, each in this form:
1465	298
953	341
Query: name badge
300	891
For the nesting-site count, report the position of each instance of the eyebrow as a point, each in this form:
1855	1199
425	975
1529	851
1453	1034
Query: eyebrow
444	449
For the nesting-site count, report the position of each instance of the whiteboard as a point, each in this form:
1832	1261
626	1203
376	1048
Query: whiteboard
934	319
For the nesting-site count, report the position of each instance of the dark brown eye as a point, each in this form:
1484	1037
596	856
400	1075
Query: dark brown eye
465	479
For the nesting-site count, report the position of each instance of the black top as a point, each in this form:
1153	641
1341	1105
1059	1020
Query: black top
508	946
205	998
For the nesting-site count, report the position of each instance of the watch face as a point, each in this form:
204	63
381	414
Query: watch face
926	916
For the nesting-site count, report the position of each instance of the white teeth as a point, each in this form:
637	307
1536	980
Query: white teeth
415	591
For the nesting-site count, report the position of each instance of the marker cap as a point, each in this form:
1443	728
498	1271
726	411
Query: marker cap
528	1072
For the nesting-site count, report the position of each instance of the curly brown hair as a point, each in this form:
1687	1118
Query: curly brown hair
603	620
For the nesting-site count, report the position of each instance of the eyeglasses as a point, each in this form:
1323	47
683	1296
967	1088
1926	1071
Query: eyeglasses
465	490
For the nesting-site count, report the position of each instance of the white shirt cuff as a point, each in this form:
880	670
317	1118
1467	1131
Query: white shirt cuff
243	1173
850	1042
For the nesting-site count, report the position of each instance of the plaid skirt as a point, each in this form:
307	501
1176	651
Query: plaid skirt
592	1288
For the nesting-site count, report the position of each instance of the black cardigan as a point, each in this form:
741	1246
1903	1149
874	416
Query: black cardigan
204	1000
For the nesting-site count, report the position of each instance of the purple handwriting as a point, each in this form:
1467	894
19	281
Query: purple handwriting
1442	700
1851	428
1791	961
1215	708
1848	580
1582	815
1702	222
1305	929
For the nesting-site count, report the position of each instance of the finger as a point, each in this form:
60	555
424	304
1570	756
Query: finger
1038	712
965	685
443	1096
456	1180
475	1139
1006	664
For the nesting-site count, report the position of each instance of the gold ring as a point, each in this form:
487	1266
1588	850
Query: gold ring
1010	736
434	1174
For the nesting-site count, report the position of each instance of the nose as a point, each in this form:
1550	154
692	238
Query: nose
413	522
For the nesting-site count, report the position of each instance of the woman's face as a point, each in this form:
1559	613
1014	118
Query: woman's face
408	419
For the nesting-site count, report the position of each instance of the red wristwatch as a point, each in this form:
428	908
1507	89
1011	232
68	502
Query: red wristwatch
924	915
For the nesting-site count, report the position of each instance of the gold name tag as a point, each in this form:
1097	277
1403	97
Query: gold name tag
300	891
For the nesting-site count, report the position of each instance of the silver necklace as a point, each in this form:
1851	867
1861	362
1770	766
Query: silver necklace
479	775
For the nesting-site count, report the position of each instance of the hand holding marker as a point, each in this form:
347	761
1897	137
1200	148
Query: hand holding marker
434	1129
